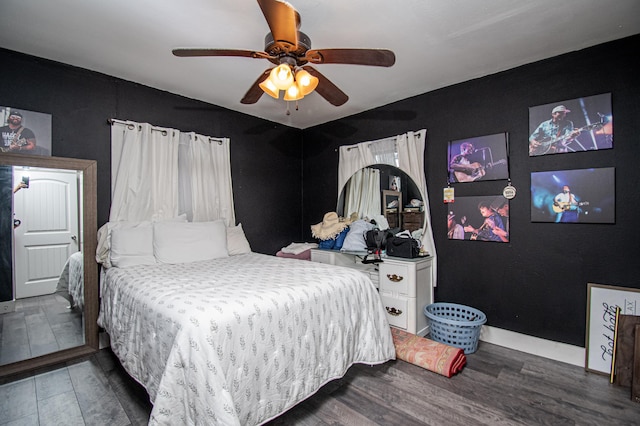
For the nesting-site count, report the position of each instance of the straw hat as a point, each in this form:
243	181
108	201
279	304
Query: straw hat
330	227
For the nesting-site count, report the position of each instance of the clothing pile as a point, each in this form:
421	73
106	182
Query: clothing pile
331	232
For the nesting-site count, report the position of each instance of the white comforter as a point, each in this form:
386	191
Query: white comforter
71	281
240	340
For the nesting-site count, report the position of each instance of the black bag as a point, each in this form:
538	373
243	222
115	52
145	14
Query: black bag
406	247
376	239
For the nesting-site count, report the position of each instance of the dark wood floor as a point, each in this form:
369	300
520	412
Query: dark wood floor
498	386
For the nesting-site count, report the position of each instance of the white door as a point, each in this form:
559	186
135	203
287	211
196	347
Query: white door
48	232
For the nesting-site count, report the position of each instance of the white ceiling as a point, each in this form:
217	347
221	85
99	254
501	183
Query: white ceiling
437	43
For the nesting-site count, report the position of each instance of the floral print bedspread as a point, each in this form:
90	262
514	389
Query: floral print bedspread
239	340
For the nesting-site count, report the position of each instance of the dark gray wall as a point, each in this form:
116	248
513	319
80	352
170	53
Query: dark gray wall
536	284
266	158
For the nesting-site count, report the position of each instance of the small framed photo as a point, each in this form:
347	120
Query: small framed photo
573	196
575	125
394	183
478	158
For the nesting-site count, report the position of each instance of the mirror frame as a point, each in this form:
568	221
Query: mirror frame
89	220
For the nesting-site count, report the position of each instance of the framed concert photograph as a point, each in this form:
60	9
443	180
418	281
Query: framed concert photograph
25	132
479	218
574	125
478	158
573	196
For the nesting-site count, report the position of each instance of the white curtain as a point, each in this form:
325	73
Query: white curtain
210	179
411	148
356	157
158	173
362	194
144	172
405	151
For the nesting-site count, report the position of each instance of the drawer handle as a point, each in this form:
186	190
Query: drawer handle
393	311
395	278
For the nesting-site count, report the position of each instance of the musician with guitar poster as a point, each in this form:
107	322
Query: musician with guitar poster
25	132
16	137
583	124
573	196
567	206
553	135
475	161
491	222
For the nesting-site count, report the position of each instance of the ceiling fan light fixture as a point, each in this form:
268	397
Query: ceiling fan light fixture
306	82
269	88
281	76
293	93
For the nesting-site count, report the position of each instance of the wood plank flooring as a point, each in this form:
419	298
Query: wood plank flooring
498	386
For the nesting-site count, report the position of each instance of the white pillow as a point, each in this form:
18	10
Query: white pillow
103	249
132	244
236	241
176	242
354	241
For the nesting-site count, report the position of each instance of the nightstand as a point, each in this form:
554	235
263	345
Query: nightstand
405	285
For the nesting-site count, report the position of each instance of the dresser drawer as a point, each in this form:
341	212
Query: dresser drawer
397	310
397	278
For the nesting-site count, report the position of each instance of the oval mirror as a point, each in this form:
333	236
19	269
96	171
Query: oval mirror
48	285
385	190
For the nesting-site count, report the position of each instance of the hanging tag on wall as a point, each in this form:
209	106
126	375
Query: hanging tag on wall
509	191
448	195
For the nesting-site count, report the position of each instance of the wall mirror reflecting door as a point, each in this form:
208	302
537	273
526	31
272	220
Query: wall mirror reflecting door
48	273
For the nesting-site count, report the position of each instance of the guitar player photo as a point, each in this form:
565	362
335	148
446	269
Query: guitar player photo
583	124
25	132
478	158
573	196
479	218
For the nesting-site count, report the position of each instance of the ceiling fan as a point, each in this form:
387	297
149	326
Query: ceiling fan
290	49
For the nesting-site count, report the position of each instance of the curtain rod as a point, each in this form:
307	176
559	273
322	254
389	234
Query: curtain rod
113	121
130	126
418	135
367	143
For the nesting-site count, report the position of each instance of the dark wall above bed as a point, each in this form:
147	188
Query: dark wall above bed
266	158
285	179
537	283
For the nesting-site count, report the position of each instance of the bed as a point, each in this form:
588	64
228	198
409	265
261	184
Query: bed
239	339
71	281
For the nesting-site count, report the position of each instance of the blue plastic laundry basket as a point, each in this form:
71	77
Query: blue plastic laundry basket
455	325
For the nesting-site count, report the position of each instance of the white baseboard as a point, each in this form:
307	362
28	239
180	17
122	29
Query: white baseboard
533	345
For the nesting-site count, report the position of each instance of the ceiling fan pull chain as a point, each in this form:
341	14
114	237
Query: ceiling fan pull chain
288	112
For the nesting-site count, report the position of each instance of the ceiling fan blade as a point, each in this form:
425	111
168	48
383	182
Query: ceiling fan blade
374	57
326	88
283	21
255	92
221	52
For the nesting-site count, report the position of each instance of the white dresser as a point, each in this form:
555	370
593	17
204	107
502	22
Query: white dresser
405	285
